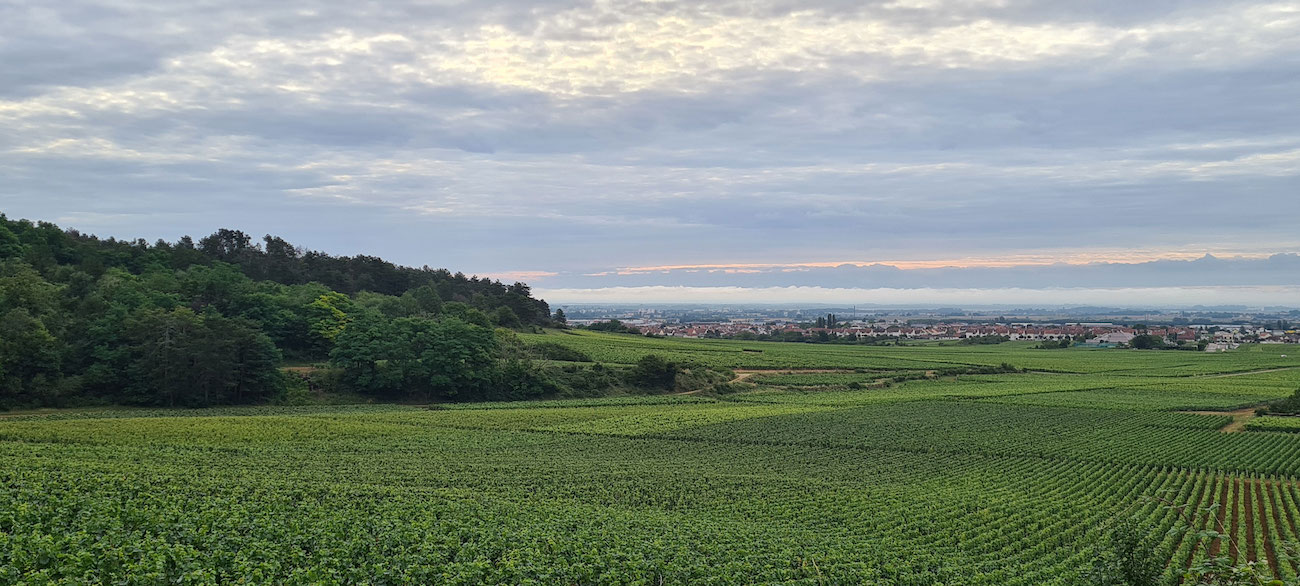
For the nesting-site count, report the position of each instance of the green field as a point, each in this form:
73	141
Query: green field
792	478
1269	423
624	349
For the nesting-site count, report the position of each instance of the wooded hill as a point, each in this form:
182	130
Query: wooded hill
86	320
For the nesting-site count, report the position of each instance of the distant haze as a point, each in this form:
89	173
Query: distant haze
1011	151
1147	297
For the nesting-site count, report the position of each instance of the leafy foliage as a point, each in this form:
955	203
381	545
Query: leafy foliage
553	351
1289	405
1147	342
184	323
613	326
1127	558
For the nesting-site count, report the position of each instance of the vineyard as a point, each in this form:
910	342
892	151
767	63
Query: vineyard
626	349
898	467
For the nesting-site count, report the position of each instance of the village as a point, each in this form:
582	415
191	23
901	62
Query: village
1210	338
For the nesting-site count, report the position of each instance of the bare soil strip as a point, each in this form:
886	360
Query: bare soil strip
1206	492
1281	533
1233	551
1251	554
1270	553
1239	418
299	369
742	374
1217	544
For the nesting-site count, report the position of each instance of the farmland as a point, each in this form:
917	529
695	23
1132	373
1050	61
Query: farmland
901	465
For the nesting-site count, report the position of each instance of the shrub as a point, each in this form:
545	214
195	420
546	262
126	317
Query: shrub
553	351
1289	405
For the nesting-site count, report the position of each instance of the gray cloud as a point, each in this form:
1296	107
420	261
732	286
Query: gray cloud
573	137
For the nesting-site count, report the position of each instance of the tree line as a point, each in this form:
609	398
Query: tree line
186	323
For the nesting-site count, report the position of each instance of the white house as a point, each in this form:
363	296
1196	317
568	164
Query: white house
1114	338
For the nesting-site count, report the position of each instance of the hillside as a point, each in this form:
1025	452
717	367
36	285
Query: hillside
90	320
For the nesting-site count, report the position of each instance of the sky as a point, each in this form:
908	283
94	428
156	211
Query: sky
765	150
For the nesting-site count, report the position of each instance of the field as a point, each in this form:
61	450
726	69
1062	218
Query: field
798	477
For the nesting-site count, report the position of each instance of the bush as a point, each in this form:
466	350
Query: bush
729	388
694	379
654	371
295	389
553	351
1147	342
1287	406
595	381
613	325
518	380
1126	559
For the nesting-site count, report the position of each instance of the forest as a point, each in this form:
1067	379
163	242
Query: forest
208	322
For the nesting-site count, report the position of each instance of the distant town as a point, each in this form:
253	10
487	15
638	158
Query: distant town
1211	330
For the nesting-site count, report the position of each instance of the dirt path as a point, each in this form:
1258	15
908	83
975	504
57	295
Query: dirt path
299	369
1249	372
742	374
1239	418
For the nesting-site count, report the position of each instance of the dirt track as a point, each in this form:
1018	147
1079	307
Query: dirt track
742	374
1239	418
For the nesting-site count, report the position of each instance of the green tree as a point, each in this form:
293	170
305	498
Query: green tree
29	359
519	380
422	300
418	358
21	286
467	314
162	356
327	316
654	371
221	286
228	245
457	359
1146	342
367	351
506	318
178	357
234	362
10	245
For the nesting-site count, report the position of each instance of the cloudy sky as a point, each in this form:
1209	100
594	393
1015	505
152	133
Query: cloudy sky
684	150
